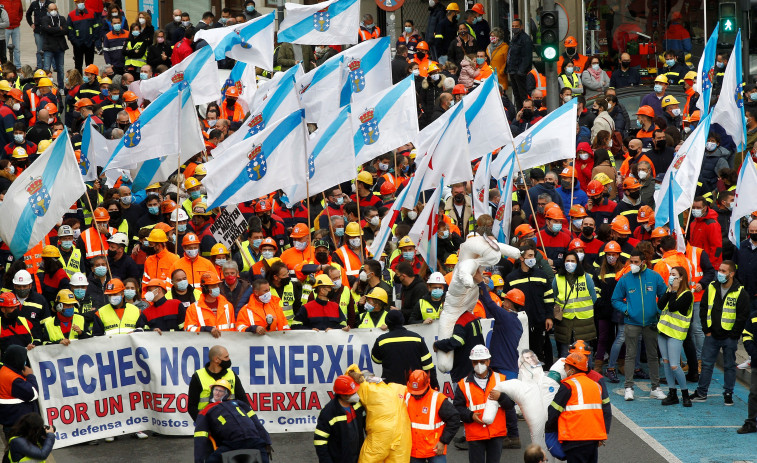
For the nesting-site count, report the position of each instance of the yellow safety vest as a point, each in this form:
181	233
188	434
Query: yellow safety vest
114	325
576	300
428	310
246	256
55	334
74	262
287	301
136	62
568	83
344	301
207	382
675	325
23	458
367	322
728	317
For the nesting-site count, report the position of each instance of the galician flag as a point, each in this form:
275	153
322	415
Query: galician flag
250	42
333	22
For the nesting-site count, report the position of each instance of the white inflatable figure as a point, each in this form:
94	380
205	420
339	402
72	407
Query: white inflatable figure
533	391
477	251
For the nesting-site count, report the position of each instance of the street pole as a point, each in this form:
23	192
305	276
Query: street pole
550	71
744	6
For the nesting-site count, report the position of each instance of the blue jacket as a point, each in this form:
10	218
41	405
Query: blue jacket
639	310
538	189
579	197
505	336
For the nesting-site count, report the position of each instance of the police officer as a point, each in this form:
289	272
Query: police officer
340	431
218	367
66	325
231	424
401	351
434	421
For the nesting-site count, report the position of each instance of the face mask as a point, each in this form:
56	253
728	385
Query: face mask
375	221
115	300
569	70
753	96
676	112
720	64
182	285
195	194
480	368
186	23
161	39
340	201
215	292
634	195
408	30
567	98
580	256
17	108
79	293
383	165
153	210
670	62
370	26
595	67
710	146
696	212
635	268
587	231
220	262
256	243
480	61
658	88
556	227
80	6
130	294
339	231
577	223
143	76
643	174
611	259
66	245
671	280
530	262
267	254
192	253
493	39
18	138
363	276
412	215
420	55
355	242
182	228
435	77
117	27
408	255
101	271
53	13
353	399
416	72
753	236
149	296
142	20
322	257
68	312
225	364
722	278
437	293
115	97
570	266
250	9
301	245
85	79
583	156
265	298
625	64
444	234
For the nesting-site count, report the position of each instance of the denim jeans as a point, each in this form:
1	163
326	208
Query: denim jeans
695	331
55	59
40	53
13	36
710	351
436	459
670	351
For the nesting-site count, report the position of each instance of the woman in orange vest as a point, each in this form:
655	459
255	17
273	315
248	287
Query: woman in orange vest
434	421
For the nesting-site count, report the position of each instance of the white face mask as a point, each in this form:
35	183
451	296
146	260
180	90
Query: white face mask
635	268
580	256
643	174
355	242
192	253
412	215
149	296
530	263
354	398
583	156
363	276
375	221
265	298
300	245
480	368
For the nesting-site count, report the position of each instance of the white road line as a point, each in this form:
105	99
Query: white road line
689	427
643	435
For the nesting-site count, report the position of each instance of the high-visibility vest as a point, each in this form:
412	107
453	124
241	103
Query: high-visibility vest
55	333
728	317
475	400
576	300
115	325
140	61
351	261
674	324
694	255
573	83
425	424
540	80
223	319
207	382
367	322
287	302
7	377
364	34
234	116
344	300
428	310
247	258
582	418
74	262
92	245
22	458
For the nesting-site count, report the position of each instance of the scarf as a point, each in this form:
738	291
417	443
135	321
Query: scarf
597	75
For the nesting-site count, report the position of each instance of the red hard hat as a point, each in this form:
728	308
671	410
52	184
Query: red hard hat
630	183
263	206
516	296
645	110
459	89
232	92
612	246
417	382
575	244
578	360
388	188
478	8
594	188
344	385
8	300
523	230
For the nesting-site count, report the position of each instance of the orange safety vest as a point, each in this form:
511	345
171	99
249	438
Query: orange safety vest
365	35
351	261
422	66
158	266
193	269
133	114
669	260
199	315
694	255
255	312
475	400
582	419
236	116
425	424
92	244
579	63
7	377
541	82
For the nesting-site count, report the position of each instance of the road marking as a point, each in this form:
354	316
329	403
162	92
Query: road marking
688	427
644	436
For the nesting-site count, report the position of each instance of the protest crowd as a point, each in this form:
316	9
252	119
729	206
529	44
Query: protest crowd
152	195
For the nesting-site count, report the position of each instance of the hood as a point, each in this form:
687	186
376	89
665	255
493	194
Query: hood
711	214
15	357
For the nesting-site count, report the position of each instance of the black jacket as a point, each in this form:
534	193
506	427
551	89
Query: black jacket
54	32
519	58
399	358
399	68
428	93
155	55
458	49
538	189
466	334
538	291
35	13
746	260
446	32
228	422
621	78
461	403
411	296
338	440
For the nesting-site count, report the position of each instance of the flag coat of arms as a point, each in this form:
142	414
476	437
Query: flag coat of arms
366	70
334	22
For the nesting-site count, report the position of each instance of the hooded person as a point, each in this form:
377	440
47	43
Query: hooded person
18	387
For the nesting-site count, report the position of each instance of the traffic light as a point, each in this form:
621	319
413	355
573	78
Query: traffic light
728	15
550	37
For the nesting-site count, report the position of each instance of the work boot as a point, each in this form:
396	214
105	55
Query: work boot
461	443
612	376
598	366
511	442
686	398
750	426
672	398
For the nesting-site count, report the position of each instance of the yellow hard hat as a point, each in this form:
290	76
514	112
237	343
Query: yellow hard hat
405	241
378	293
201	170
353	229
691	75
218	249
222	383
157	236
669	100
497	280
322	280
602	178
153	186
453	7
50	251
451	260
5	86
39	73
43	145
432	66
65	296
661	78
191	182
19	153
45	82
365	177
104	80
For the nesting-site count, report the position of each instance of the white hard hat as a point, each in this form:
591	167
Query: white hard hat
65	230
78	279
182	215
22	277
436	278
119	238
480	352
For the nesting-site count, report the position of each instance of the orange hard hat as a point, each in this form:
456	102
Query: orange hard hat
478	8
644	213
189	239
114	286
567	172
209	278
8	299
620	224
577	360
516	296
459	89
101	215
577	211
417	382
594	188
344	385
263	205
645	110
580	347
422	45
570	41
167	206
18	95
130	96
387	188
232	92
554	213
659	232
300	231
630	183
523	230
92	69
612	246
268	242
164	227
575	244
51	109
83	102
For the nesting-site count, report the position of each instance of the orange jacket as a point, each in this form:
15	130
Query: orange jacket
133	113
200	318
159	266
292	256
92	245
479	311
255	312
475	400
669	260
425	424
582	419
194	269
350	259
694	256
234	116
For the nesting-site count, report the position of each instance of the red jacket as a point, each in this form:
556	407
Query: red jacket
705	233
181	51
15	10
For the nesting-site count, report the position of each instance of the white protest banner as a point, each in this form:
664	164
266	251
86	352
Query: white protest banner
116	385
228	226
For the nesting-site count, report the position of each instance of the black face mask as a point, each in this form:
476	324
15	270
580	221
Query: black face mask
632	153
115	217
132	105
149	250
322	257
11	316
634	194
753	237
284	281
225	364
459	198
124	126
570	50
23	293
265	218
587	231
230	102
528	114
537	103
566	184
621	240
77	114
111	254
594	110
420	55
660	144
625	64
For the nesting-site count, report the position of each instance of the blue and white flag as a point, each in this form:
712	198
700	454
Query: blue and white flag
266	87
156	170
199	70
729	110
390	218
480	193
706	72
319	90
685	167
282	102
488	129
92	146
242	76
426	227
385	121
334	22
331	160
366	70
250	42
503	215
40	195
743	203
273	159
166	127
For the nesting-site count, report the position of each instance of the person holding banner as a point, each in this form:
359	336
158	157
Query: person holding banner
162	314
263	312
66	325
212	312
218	367
322	314
16	330
117	317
